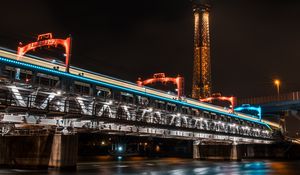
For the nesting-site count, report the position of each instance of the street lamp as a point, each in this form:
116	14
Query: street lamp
277	84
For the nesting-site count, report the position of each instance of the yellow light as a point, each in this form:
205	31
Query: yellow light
157	148
205	16
277	84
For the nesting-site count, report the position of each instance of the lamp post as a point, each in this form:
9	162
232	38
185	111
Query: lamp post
277	84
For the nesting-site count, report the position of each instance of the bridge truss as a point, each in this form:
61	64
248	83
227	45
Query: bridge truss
28	110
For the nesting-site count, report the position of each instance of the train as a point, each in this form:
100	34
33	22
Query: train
9	57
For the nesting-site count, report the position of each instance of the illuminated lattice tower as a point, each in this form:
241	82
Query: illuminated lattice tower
202	72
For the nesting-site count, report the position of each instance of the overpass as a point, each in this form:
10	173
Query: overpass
283	109
50	99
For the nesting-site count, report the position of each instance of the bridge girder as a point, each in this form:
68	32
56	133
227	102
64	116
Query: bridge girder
40	110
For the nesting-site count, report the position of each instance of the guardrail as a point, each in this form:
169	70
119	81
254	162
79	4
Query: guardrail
293	96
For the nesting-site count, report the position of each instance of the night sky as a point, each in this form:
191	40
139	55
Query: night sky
252	41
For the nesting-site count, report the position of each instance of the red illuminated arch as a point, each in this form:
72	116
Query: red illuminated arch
231	100
160	77
47	40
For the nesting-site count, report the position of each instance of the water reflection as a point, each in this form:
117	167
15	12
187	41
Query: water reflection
171	166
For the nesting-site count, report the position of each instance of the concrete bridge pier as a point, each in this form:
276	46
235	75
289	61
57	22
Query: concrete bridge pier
64	151
217	151
250	151
196	149
234	154
39	151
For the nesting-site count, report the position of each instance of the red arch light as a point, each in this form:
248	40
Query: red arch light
231	100
47	40
161	77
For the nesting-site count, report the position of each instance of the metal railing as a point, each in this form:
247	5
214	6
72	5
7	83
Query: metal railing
293	96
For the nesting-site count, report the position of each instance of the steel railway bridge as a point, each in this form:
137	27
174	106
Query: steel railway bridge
47	99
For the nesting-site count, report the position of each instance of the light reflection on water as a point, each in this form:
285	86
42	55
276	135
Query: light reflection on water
171	166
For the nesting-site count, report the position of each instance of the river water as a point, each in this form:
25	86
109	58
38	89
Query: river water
171	166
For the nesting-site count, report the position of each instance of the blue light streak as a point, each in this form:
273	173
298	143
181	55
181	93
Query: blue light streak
142	93
250	108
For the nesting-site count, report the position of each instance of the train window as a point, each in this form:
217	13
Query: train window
142	100
213	116
126	97
216	117
103	92
9	68
171	107
248	123
201	114
25	75
46	80
53	83
185	110
195	112
160	104
221	117
126	94
81	88
9	72
116	95
206	115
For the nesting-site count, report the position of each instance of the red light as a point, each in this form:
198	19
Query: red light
47	40
161	77
231	100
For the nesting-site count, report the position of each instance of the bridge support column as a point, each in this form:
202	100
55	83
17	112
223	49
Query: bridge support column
234	155
64	151
250	151
4	153
282	122
38	151
196	149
